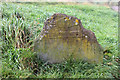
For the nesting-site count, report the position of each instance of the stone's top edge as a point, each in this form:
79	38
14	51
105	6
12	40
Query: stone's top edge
64	15
69	16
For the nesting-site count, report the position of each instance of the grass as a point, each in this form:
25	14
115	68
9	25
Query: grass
22	22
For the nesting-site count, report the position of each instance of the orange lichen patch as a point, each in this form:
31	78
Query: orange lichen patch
66	18
76	22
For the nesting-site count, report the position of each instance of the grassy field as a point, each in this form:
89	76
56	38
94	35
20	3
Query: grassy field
22	22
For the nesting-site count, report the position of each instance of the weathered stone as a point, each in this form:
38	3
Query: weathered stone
63	37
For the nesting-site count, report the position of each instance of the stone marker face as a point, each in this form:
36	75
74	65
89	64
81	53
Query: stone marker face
63	37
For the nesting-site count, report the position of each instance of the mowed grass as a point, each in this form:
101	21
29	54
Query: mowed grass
23	63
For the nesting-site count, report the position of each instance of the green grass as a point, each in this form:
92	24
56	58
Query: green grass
22	62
